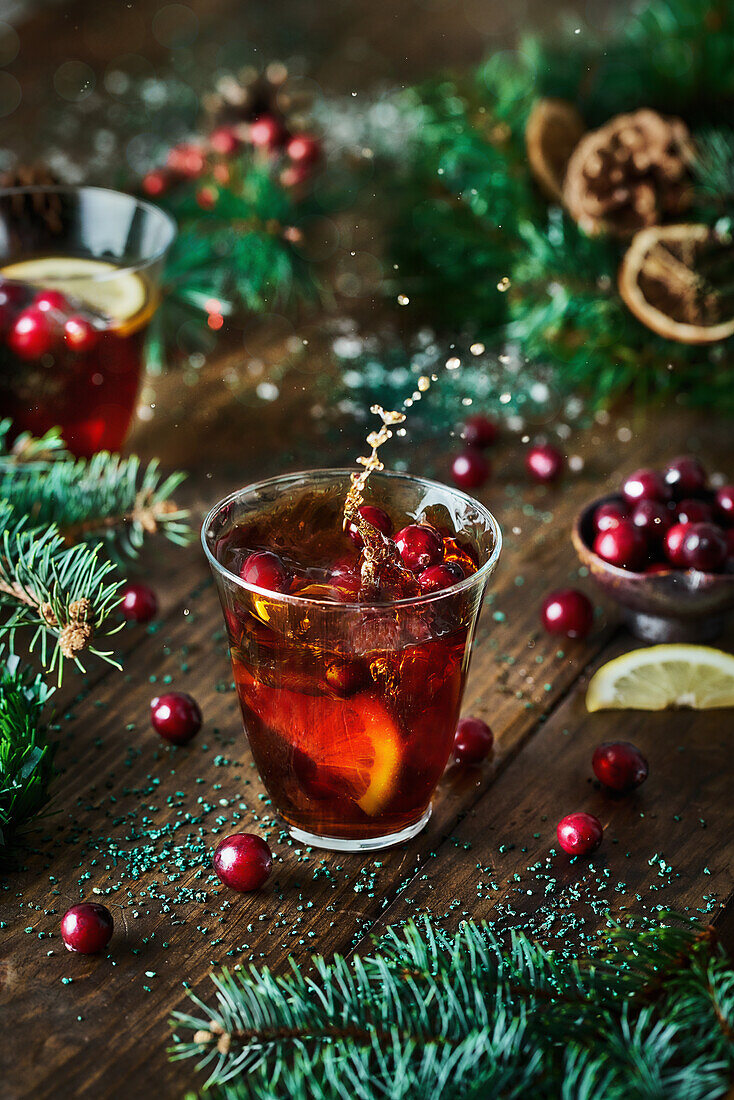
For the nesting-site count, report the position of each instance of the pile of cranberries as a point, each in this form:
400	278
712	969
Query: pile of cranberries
35	322
666	520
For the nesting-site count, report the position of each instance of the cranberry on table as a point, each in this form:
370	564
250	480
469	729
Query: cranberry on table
264	569
86	928
673	544
472	741
694	511
479	431
437	577
375	516
652	518
175	716
704	547
79	334
267	133
619	765
685	476
419	546
567	611
470	469
645	484
724	501
32	334
243	862
544	462
579	834
139	602
304	149
624	546
610	514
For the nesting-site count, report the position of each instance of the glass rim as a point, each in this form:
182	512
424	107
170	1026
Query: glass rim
76	189
483	572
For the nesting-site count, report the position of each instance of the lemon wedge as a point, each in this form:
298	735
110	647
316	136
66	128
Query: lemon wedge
94	282
661	676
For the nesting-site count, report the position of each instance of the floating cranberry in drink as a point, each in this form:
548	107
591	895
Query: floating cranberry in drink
349	653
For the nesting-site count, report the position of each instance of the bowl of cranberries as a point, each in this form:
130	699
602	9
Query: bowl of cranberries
663	548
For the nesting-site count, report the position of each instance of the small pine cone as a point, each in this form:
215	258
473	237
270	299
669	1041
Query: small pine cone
74	638
80	611
48	615
203	1037
629	174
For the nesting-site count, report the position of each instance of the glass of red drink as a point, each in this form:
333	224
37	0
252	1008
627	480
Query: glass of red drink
350	700
79	283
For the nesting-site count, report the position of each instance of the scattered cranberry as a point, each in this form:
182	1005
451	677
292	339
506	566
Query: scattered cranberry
610	514
186	160
175	716
267	133
470	469
224	141
304	149
645	485
725	503
544	462
86	928
32	334
568	612
579	834
479	431
472	741
139	603
419	546
156	183
437	577
704	547
375	516
652	518
264	569
673	544
623	546
243	862
619	765
694	511
79	334
685	476
50	301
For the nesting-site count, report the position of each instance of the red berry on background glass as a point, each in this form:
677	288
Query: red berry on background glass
419	546
704	547
175	716
725	503
567	611
472	741
79	334
544	462
652	518
224	141
645	485
694	511
155	183
673	544
264	569
243	862
623	546
619	765
579	834
437	577
86	928
610	514
479	431
470	469
377	517
50	300
139	603
304	149
685	476
31	335
267	133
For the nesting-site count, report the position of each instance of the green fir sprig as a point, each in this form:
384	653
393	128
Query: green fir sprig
26	755
648	1014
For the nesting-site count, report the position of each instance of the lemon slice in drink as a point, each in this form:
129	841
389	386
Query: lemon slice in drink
661	676
99	284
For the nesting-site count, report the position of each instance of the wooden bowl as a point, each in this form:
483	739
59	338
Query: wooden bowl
679	605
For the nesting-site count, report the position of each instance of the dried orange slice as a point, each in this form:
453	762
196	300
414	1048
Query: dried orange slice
677	280
553	130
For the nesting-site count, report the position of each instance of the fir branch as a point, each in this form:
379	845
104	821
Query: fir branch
26	757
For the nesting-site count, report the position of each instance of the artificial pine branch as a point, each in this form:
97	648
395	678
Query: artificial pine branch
26	757
651	1013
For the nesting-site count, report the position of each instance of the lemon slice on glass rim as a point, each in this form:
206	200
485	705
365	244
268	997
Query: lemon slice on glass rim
661	676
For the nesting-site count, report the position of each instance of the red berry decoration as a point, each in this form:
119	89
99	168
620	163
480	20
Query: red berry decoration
685	476
86	928
619	765
206	197
610	514
264	569
175	716
139	603
479	431
623	546
544	462
79	334
437	577
694	511
419	546
645	485
293	175
224	141
652	518
243	862
725	503
579	834
50	301
375	516
267	133
704	547
472	741
673	544
32	334
304	149
568	612
186	160
156	183
470	469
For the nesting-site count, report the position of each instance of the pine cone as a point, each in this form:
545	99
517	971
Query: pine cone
74	638
629	174
46	204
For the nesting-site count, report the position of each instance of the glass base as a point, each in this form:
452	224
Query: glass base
352	844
